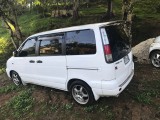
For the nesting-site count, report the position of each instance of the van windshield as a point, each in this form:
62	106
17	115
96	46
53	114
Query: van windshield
118	41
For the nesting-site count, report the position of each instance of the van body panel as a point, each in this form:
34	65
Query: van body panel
21	65
29	72
112	88
52	71
122	69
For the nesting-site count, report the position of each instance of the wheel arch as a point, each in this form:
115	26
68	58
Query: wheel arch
10	73
73	80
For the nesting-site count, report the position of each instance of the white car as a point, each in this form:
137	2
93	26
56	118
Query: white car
89	61
154	52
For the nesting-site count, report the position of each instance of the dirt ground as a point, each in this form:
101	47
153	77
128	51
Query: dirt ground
139	101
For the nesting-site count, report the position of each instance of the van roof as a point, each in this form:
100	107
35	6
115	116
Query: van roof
88	26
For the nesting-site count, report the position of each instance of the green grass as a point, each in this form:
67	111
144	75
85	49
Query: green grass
150	90
147	96
3	32
20	105
2	70
150	9
109	115
68	106
64	107
9	88
90	108
144	97
34	23
54	107
93	11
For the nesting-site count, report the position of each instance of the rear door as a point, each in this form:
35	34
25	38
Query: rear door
121	50
81	54
51	62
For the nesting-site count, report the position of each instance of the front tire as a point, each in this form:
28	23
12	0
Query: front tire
16	78
155	59
81	93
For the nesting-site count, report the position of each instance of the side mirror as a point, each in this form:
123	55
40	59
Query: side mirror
15	53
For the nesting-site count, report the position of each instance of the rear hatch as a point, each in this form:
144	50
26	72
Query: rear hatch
117	50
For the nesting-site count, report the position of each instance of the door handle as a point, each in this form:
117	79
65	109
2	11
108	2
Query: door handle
32	61
39	61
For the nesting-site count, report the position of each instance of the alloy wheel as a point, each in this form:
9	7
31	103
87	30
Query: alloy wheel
156	60
80	94
16	79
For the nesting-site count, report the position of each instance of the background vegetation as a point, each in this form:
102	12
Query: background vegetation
21	18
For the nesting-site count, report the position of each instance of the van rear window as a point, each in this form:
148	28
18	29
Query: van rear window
118	41
80	42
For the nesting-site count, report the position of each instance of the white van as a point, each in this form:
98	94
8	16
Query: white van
89	61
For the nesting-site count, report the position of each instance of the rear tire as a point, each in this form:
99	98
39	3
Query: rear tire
16	78
155	59
81	93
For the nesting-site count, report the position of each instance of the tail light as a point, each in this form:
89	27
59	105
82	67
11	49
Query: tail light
108	53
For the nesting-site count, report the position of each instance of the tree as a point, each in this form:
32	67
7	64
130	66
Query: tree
8	13
127	11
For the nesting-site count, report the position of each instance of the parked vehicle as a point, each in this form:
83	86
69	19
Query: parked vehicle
154	52
89	61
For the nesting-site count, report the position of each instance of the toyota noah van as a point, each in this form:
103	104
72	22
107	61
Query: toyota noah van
89	61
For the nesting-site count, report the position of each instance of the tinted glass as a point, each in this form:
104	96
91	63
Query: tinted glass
28	48
80	42
51	46
118	41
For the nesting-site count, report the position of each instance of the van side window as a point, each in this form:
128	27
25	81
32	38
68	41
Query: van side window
51	46
80	42
28	48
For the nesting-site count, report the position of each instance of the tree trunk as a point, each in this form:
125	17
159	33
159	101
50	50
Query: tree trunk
75	9
18	31
87	1
110	9
57	11
11	32
31	6
109	13
127	10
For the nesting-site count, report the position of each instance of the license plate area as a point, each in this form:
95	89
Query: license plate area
126	59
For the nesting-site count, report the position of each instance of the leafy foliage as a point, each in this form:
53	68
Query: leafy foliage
5	50
149	6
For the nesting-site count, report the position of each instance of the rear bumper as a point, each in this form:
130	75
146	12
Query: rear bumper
112	88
